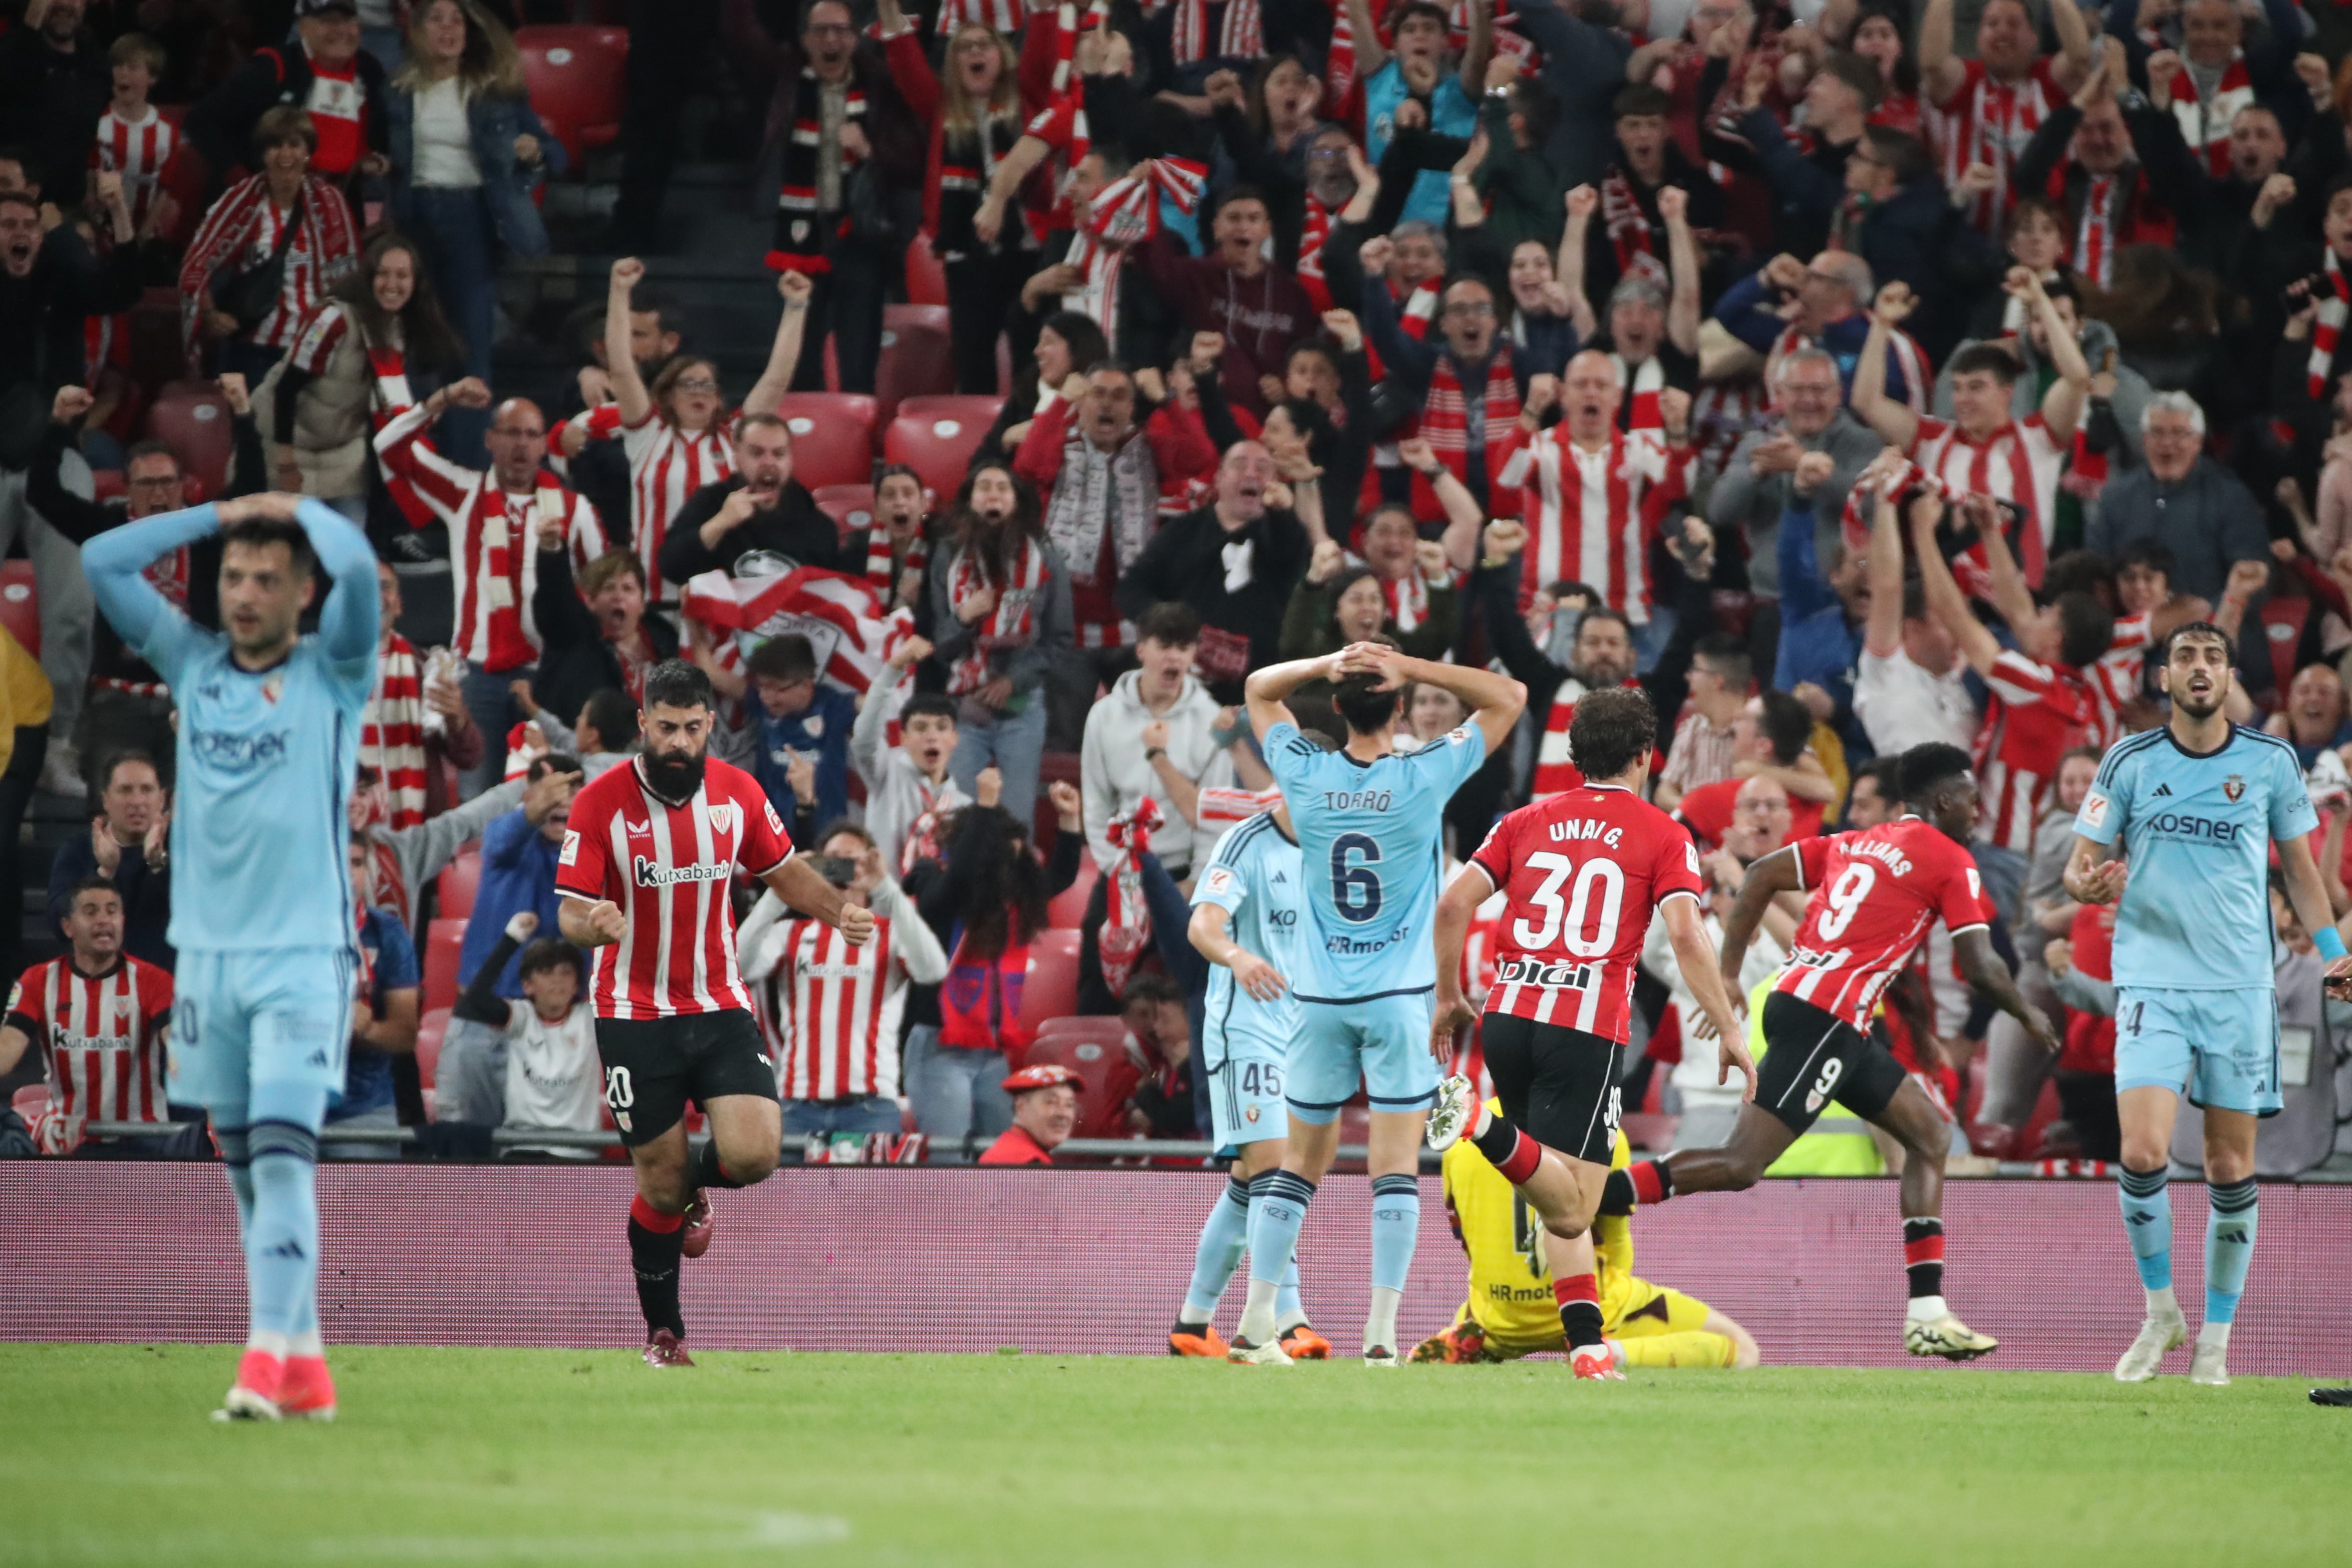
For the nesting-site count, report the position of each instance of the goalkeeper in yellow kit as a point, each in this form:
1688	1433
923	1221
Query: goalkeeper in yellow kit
1511	1312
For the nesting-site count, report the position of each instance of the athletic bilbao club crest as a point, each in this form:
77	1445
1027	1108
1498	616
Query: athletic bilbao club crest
2233	787
723	817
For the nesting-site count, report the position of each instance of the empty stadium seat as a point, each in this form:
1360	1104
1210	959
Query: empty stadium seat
1096	1051
851	507
192	418
927	278
457	884
1069	906
577	78
935	436
918	355
1051	988
832	437
443	939
20	606
429	1032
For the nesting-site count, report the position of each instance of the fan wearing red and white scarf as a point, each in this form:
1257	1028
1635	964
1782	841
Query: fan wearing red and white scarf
392	731
2335	298
1124	213
1011	621
1241	33
2205	126
1127	919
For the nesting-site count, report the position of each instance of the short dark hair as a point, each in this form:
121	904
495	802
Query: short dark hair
552	953
677	682
1149	987
1600	614
552	762
1170	624
281	124
2197	629
1366	710
1862	76
260	533
2153	554
600	573
2076	571
1884	776
1613	730
1904	155
614	716
1241	193
2086	629
94	883
788	658
1641	98
1926	766
1537	105
1729	658
128	754
845	825
927	705
150	447
1986	358
1788	724
1403	10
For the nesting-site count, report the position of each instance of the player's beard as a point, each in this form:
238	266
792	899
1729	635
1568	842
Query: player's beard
2197	708
675	775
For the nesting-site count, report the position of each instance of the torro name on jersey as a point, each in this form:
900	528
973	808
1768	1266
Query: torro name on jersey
1894	859
1356	800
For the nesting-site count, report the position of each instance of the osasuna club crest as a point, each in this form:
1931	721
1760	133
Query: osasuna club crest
723	816
2233	787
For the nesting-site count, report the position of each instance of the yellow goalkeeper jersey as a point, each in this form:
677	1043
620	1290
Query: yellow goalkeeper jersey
1510	1283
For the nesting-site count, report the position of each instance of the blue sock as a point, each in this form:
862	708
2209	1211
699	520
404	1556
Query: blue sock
2231	1220
281	1245
1224	1237
2148	1224
237	1160
1276	1217
1396	1227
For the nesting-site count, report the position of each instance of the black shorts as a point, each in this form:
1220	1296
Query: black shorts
1813	1057
654	1066
1558	1084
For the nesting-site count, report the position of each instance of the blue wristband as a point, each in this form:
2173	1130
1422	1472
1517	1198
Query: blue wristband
2331	943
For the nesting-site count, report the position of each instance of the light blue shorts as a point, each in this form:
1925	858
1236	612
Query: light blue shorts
282	1015
1245	1090
2220	1048
1382	1042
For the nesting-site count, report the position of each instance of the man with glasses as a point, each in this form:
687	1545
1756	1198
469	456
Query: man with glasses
1793	304
2182	500
1461	387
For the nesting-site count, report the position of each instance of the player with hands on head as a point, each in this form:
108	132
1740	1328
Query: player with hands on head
1583	871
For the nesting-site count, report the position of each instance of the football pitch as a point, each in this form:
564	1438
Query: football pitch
585	1457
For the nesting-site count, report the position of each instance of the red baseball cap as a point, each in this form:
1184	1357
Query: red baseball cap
1040	1077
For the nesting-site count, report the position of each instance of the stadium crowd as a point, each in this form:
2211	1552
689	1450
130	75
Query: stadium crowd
1847	375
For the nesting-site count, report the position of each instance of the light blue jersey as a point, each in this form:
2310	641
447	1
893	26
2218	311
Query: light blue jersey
2196	834
1371	837
267	759
1257	878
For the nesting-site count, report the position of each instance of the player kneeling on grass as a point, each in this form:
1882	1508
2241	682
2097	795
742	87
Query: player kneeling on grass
1510	1311
1874	896
643	874
1583	871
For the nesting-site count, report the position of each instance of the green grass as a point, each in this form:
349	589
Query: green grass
583	1457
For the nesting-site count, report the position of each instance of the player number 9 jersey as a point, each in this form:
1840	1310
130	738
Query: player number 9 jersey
1583	871
1873	895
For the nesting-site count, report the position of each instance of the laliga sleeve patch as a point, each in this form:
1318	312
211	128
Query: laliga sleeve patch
1976	885
774	821
1690	856
1219	880
1458	736
571	854
2094	808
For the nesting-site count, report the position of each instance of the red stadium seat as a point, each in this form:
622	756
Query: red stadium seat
577	78
31	1102
918	355
106	484
1096	1051
1051	988
157	352
927	278
429	1031
194	418
935	436
442	940
20	605
833	438
1045	821
456	883
1069	906
851	507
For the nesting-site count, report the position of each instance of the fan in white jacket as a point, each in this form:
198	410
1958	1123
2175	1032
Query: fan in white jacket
907	790
1155	734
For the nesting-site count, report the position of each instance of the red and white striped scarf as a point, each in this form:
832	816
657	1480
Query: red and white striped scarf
1339	61
1065	41
1002	16
1124	213
392	731
1407	599
1240	35
1417	309
1313	233
242	227
2206	126
2326	326
1446	425
2094	248
1627	225
1991	125
1645	381
1127	919
878	570
1012	623
799	244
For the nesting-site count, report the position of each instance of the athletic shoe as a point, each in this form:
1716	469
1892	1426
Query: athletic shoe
2339	1398
1616	1352
664	1350
2157	1337
2209	1365
1196	1339
260	1376
1456	1112
308	1394
1379	1355
1464	1344
1301	1342
1595	1363
1948	1337
694	1240
1270	1353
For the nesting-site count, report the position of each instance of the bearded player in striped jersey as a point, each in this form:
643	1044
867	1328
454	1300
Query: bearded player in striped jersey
644	875
1873	895
1583	872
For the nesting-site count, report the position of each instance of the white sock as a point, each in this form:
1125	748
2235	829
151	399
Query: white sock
1380	1324
1291	1319
2161	1306
307	1342
1926	1309
1257	1316
262	1340
1480	1120
1192	1316
2215	1336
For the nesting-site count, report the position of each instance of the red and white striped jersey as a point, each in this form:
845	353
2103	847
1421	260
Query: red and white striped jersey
304	287
833	1010
1583	871
669	868
102	1036
1909	372
1875	895
2037	711
667	464
1989	122
1590	514
2115	677
137	152
324	332
2018	462
493	540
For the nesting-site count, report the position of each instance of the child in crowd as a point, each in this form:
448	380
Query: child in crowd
907	790
553	1082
